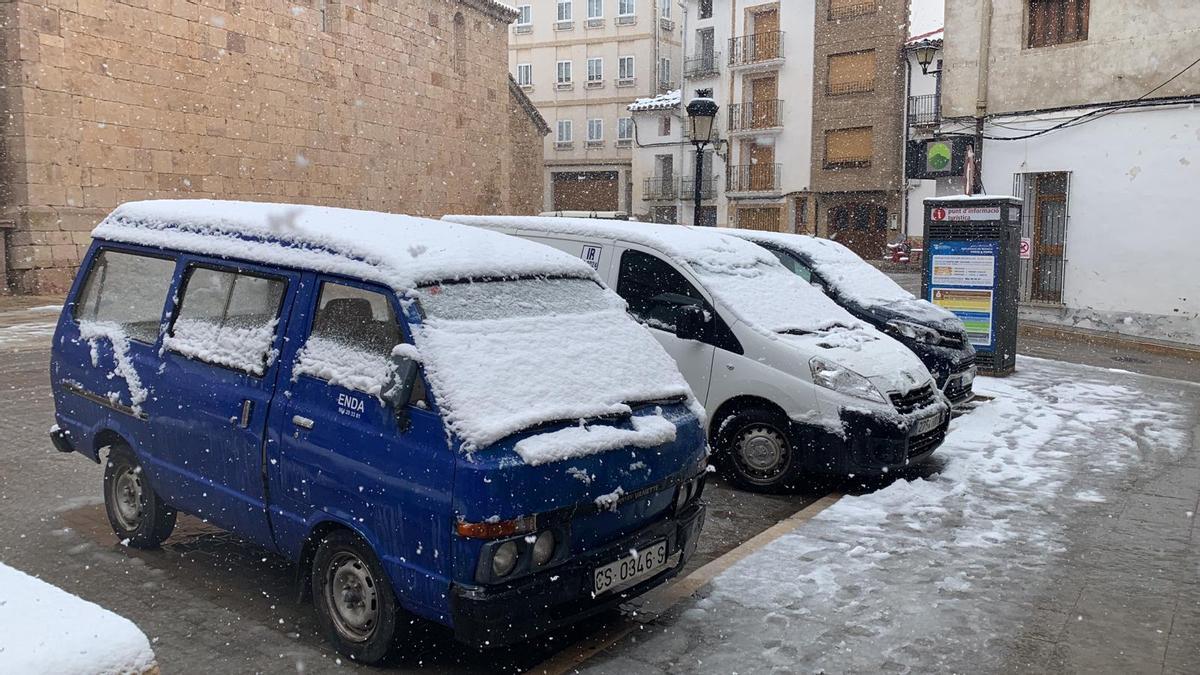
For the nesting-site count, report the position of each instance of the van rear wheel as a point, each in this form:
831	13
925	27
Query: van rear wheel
356	607
757	453
139	517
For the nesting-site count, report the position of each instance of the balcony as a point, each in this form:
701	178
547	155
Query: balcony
754	178
660	189
704	65
755	116
627	20
708	188
761	50
923	110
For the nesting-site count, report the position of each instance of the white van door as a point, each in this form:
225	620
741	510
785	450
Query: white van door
658	294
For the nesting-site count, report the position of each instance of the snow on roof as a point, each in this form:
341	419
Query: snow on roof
666	101
399	251
48	630
746	278
925	18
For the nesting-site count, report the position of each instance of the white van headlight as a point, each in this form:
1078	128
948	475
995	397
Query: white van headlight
915	331
839	378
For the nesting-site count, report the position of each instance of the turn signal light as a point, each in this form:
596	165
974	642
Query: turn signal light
497	529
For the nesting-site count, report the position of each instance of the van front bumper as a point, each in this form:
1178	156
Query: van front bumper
486	617
873	443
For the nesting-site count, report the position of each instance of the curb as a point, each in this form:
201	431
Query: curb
1084	336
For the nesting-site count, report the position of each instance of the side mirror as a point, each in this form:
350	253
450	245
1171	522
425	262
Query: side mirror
398	389
692	323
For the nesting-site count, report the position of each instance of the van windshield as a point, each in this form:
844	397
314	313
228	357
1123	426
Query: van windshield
508	355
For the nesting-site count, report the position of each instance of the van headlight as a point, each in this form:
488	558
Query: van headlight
839	378
915	331
504	559
543	548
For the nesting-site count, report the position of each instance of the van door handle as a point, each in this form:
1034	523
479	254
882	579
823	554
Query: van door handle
247	408
302	422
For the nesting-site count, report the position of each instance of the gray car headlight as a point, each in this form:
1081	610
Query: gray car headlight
915	331
841	379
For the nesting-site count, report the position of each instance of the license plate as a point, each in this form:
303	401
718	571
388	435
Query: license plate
927	424
632	568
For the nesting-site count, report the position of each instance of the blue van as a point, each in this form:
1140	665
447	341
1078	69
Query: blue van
429	419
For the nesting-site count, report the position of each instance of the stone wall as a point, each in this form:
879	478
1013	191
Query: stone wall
392	106
526	129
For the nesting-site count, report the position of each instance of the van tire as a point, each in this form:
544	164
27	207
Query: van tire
756	453
362	621
139	517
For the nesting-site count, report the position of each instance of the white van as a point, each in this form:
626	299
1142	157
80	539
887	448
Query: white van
792	383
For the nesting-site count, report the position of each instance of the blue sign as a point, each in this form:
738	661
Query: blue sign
962	280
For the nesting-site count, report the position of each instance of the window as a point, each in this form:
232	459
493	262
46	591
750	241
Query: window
664	125
524	15
595	129
525	74
664	71
848	147
1053	22
625	69
655	291
564	72
460	43
706	9
565	10
664	8
129	290
350	344
625	129
564	131
595	9
595	70
852	72
227	319
846	9
792	263
626	7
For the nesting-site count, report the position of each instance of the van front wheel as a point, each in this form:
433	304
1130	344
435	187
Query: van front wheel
139	517
758	455
356	607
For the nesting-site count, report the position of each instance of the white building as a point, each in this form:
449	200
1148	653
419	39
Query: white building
922	94
582	62
1093	119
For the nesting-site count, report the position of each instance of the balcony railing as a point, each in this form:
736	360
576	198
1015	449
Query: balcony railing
707	63
657	189
751	49
754	178
923	110
755	115
708	187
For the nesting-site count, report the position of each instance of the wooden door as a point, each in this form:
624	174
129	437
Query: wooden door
763	94
764	218
762	167
766	35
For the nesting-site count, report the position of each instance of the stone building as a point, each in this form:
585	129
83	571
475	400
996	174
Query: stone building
402	106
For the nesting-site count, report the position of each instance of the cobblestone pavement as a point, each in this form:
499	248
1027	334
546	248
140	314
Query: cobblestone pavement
209	602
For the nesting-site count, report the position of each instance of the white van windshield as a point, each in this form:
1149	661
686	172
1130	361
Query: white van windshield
503	356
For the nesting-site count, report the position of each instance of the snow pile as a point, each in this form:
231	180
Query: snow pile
396	250
245	348
342	365
647	432
666	101
93	332
934	573
505	356
44	629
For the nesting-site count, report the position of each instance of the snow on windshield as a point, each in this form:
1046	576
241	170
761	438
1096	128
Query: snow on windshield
503	356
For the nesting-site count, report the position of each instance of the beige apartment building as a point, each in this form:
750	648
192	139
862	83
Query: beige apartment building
582	62
401	106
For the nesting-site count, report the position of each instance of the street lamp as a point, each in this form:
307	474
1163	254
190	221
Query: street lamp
702	112
925	53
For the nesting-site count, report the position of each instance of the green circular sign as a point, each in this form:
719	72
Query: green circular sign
937	156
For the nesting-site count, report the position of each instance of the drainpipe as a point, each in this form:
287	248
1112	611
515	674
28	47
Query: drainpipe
981	91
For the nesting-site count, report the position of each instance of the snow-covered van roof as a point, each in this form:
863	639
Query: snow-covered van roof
746	278
400	251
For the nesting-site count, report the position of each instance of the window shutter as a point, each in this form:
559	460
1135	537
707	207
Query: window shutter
852	72
848	146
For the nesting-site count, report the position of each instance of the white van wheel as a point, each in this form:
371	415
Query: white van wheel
758	454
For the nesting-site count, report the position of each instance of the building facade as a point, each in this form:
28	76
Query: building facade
401	106
583	62
1107	167
922	112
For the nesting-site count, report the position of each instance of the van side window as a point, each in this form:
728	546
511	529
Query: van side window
350	345
228	319
126	289
792	263
655	291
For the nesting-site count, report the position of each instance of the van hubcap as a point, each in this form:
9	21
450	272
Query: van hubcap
762	453
352	596
127	497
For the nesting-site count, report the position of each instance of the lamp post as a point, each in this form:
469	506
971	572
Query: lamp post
925	52
701	112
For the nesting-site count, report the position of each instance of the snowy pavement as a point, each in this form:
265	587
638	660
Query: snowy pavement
1054	533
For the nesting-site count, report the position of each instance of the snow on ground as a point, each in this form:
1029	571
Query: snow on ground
44	629
20	333
931	573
